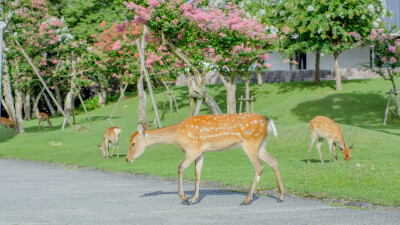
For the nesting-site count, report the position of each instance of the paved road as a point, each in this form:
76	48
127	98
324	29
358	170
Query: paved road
33	193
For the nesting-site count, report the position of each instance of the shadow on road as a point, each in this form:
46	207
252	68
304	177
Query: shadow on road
203	193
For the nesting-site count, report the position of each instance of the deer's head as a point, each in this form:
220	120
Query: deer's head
137	144
102	150
347	152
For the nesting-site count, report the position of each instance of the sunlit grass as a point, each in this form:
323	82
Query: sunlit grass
373	174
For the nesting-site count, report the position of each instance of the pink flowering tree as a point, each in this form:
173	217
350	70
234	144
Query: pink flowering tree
182	38
387	49
39	34
117	51
238	46
203	36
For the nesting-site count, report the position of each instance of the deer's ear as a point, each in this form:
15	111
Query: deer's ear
341	149
351	147
140	129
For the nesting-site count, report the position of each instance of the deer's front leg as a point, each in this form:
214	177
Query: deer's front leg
190	157
199	165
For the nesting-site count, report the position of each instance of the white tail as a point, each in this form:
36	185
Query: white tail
110	135
44	117
199	134
325	128
271	126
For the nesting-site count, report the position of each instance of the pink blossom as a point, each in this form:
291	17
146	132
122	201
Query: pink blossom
92	84
117	45
130	75
52	87
225	66
180	36
227	59
286	61
118	77
103	24
392	49
265	57
222	34
54	61
371	46
393	60
153	3
120	52
384	59
74	44
268	65
259	65
373	34
381	30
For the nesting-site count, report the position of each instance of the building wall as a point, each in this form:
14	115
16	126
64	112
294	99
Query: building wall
352	58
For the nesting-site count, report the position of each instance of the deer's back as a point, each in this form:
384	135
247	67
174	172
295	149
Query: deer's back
227	127
325	127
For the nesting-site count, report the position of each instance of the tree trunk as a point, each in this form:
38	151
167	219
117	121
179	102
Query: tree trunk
337	72
317	61
19	102
102	97
247	95
121	89
396	99
259	79
9	99
142	100
198	88
230	86
58	95
27	104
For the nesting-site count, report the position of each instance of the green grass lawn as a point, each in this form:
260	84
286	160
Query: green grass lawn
373	174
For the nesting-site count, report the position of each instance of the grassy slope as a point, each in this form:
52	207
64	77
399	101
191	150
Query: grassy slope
359	108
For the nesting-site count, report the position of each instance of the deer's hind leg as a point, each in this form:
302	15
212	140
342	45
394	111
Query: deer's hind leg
273	163
318	145
251	150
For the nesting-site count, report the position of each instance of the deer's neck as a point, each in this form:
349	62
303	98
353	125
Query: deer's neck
161	135
341	139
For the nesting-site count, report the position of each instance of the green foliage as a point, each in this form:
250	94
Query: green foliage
84	16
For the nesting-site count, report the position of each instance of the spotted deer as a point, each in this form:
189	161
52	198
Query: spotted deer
7	123
325	128
206	133
110	135
44	117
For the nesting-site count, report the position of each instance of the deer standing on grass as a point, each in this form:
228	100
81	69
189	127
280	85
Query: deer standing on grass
325	128
7	123
44	117
111	134
199	134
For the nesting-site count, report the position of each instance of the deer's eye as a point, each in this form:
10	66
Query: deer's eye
133	144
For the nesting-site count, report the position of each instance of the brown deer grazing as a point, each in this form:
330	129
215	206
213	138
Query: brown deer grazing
199	134
44	117
111	134
325	128
7	124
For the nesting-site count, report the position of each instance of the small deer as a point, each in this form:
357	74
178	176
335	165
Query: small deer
111	134
44	117
199	134
325	128
7	123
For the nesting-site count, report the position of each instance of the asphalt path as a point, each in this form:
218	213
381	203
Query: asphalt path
35	193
